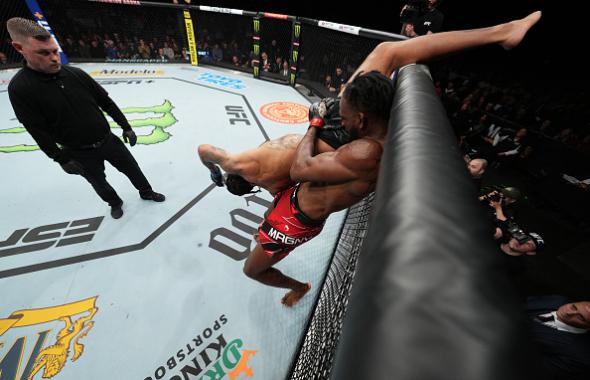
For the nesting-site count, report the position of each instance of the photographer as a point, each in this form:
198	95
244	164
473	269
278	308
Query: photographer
501	201
420	17
513	240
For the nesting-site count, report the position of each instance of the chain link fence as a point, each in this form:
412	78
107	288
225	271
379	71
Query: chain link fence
319	345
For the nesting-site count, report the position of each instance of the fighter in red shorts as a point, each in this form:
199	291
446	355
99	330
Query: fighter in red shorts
334	180
286	227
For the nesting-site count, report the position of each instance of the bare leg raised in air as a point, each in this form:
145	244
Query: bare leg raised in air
389	56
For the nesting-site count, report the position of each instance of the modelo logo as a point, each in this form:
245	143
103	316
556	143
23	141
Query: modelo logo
39	238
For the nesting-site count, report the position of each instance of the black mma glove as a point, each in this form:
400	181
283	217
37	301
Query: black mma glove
72	167
217	176
129	137
325	113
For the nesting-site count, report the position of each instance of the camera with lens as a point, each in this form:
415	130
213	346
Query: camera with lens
492	194
513	231
413	9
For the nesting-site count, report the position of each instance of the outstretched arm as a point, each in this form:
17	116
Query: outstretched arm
330	167
212	156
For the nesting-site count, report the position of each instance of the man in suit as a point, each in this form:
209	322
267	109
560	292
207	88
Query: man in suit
559	330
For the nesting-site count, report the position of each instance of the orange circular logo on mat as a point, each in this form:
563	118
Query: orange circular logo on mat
285	112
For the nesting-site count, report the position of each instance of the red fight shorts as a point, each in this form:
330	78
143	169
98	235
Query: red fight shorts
286	227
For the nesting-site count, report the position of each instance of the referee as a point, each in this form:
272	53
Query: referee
61	107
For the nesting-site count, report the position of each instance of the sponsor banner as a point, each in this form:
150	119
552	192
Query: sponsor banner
222	80
211	354
221	10
40	18
276	16
339	27
127	73
152	119
135	60
285	112
72	322
126	2
190	34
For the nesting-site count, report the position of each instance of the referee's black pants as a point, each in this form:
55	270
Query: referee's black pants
114	151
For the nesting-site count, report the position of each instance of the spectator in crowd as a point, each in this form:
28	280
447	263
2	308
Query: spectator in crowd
278	64
144	50
110	49
96	50
477	168
559	330
339	78
153	50
266	63
161	56
3	59
185	55
83	49
513	146
329	84
301	70
285	69
168	52
70	47
217	53
273	50
423	21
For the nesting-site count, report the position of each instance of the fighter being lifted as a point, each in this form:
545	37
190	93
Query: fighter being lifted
311	179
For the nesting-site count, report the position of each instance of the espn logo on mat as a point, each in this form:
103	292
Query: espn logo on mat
59	234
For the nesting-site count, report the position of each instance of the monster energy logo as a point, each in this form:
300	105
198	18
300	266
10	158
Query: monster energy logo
256	71
256	25
297	30
256	49
295	55
163	120
292	78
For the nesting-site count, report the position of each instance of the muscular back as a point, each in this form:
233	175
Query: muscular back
268	165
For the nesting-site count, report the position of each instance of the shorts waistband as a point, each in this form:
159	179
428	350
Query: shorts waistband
300	215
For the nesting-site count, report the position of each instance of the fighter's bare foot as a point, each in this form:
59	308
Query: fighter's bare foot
519	29
292	297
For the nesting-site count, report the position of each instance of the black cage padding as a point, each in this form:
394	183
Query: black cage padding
431	299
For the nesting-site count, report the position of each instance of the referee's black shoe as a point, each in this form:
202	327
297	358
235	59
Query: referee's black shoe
153	196
117	211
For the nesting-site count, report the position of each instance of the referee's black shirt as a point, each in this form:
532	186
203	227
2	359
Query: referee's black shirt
62	108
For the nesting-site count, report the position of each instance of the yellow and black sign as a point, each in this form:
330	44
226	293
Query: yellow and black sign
50	359
192	46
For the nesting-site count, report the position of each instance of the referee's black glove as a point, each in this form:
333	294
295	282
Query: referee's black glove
129	136
73	167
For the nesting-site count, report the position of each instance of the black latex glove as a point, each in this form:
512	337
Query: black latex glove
217	176
129	137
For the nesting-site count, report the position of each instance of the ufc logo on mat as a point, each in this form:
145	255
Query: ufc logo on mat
39	238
